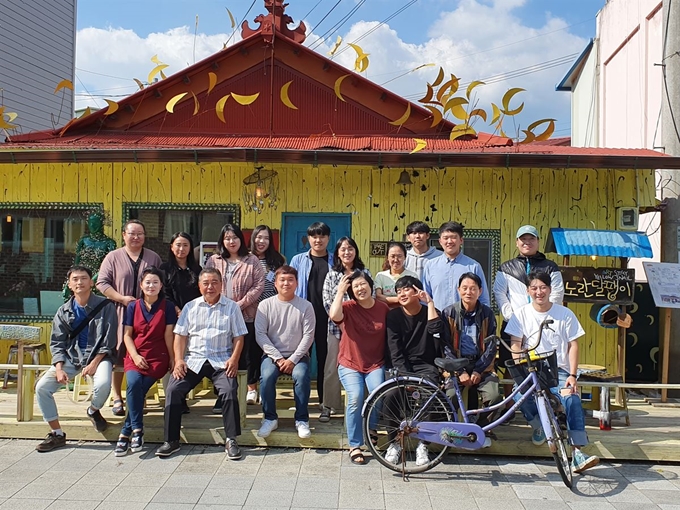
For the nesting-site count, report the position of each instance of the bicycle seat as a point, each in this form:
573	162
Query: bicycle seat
452	365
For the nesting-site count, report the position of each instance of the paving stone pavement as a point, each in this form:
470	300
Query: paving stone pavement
87	476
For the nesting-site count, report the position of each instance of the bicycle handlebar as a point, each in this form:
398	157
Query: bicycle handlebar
544	325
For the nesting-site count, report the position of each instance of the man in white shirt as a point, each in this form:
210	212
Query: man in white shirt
284	328
208	343
561	337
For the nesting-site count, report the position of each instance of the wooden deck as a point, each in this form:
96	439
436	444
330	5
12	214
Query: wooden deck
654	433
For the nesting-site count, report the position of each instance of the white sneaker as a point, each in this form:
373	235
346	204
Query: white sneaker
267	427
303	429
393	454
422	455
487	442
251	397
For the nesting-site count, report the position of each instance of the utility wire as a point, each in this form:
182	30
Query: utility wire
337	26
665	81
311	10
327	14
383	22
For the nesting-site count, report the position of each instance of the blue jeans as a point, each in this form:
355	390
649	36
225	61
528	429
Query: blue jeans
354	382
138	386
269	373
576	422
48	385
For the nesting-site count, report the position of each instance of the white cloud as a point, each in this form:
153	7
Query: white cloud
476	40
122	55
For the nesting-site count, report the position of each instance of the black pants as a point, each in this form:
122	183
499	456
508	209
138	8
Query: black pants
251	358
227	388
321	342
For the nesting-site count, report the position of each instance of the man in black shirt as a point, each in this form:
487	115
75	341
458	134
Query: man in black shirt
312	267
414	340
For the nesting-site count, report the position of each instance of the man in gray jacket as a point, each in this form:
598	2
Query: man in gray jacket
83	340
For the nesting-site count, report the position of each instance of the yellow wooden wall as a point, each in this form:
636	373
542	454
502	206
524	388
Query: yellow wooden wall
480	198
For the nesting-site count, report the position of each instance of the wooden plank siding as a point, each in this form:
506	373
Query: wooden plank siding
480	198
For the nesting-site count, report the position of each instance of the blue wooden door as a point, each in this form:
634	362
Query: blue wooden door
294	230
294	241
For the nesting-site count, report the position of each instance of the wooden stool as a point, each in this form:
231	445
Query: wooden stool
34	350
25	378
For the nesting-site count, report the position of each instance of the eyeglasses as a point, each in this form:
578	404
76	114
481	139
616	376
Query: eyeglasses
135	234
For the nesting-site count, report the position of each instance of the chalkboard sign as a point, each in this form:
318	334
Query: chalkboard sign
598	285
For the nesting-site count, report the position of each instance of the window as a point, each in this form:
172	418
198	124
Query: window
202	222
482	245
38	245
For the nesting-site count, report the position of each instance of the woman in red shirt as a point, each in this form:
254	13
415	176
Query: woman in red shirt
362	350
148	338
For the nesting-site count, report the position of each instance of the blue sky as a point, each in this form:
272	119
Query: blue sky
475	39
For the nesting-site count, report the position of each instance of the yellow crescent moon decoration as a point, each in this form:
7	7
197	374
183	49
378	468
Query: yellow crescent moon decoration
459	112
7	125
335	47
635	339
197	105
436	115
639	367
285	98
507	97
420	145
156	60
529	136
634	308
88	111
338	84
11	116
170	105
245	100
113	107
68	84
212	81
471	87
651	319
139	84
219	108
479	112
440	77
461	130
231	19
428	95
155	71
496	113
653	353
456	101
401	120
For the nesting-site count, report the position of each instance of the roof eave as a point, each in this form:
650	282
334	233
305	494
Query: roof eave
574	69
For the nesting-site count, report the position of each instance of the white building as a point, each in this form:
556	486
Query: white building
616	89
37	51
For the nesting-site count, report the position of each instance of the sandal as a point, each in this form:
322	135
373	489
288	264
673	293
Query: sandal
118	409
356	456
373	437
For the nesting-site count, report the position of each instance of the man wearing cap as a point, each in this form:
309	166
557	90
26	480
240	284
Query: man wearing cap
510	286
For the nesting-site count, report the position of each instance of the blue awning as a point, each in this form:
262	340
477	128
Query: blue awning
603	243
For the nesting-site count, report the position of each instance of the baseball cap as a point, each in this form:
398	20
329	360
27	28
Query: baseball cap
527	229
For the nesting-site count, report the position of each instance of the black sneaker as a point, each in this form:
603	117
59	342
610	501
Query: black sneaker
97	420
51	442
167	449
325	415
136	442
122	447
232	449
217	408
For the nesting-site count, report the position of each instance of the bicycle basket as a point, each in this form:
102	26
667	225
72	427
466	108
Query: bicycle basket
546	370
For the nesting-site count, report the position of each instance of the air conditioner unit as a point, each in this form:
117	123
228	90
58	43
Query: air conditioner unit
627	218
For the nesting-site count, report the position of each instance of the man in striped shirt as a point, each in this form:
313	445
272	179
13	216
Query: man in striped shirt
208	343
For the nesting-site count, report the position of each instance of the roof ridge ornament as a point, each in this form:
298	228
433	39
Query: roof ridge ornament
276	21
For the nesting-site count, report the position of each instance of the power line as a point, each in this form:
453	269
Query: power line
337	26
327	14
523	71
389	18
311	10
240	22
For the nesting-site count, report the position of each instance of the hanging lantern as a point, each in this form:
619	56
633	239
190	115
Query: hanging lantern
261	190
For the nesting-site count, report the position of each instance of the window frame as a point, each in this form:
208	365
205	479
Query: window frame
46	206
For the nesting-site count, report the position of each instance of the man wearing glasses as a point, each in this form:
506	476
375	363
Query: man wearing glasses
118	279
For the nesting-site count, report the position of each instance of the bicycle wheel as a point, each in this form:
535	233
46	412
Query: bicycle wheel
399	403
559	446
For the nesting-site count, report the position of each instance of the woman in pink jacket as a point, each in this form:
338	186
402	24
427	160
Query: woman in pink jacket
243	281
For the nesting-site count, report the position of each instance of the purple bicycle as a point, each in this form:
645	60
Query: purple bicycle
407	412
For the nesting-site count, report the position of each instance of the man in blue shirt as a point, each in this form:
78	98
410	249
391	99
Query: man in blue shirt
442	274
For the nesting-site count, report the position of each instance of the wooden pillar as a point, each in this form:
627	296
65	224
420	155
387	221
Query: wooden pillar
666	352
